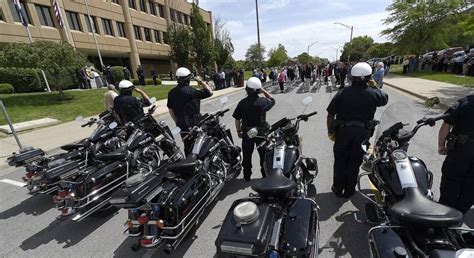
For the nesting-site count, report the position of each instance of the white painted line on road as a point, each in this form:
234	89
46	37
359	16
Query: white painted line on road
13	182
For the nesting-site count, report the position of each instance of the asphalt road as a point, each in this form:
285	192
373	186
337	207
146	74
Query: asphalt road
29	227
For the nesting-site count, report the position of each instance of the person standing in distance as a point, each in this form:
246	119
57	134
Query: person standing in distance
129	108
251	113
184	103
456	140
349	123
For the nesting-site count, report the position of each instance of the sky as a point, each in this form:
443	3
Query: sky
298	23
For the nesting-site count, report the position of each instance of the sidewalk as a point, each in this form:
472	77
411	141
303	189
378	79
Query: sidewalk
50	138
424	89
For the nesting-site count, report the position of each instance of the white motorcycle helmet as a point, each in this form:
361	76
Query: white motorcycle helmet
125	84
254	85
361	70
183	75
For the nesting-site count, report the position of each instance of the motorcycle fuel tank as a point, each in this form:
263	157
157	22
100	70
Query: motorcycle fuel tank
283	157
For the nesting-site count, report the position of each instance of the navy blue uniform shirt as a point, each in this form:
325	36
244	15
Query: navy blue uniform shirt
129	108
186	104
461	116
357	103
252	110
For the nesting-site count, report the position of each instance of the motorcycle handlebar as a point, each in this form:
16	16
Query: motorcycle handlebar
306	116
432	120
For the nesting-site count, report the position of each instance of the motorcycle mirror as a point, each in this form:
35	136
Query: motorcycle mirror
365	146
175	130
113	125
224	100
153	100
79	119
252	133
307	100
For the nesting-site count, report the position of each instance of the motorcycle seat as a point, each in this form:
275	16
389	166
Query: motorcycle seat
73	146
417	209
185	166
275	184
118	155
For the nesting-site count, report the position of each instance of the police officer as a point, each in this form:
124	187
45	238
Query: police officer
350	122
129	108
184	103
456	139
251	113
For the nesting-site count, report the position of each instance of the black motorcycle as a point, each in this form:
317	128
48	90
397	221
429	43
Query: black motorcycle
164	206
43	173
282	218
89	190
410	223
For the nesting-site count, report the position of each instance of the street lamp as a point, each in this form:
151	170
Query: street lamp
337	50
310	45
350	41
258	35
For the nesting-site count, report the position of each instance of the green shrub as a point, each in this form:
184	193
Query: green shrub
117	72
148	81
135	82
6	88
22	79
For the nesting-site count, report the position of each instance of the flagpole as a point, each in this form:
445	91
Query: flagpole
93	33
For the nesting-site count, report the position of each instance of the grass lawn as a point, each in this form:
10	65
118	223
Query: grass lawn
467	81
29	106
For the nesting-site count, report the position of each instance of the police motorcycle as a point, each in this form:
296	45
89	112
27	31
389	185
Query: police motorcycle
43	173
409	223
281	219
89	191
165	206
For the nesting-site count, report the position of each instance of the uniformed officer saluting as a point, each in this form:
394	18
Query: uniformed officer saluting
250	113
350	122
456	139
184	103
128	107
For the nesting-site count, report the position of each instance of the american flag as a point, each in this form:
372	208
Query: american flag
21	13
57	13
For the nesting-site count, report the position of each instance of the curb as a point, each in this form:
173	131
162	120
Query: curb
440	105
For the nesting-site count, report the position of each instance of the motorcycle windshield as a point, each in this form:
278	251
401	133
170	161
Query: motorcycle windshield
395	113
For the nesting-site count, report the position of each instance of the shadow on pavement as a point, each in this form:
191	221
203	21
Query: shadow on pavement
125	249
350	239
34	205
65	232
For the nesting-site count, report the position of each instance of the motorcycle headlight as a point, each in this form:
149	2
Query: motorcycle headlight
246	212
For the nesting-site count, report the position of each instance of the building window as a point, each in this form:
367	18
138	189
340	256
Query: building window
152	8
14	12
186	19
94	21
121	29
142	6
2	17
138	34
165	37
115	1
44	15
73	20
131	4
108	27
180	17
173	15
161	9
157	36
147	34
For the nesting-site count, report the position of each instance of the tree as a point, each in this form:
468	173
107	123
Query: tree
422	25
203	47
253	55
321	61
305	58
380	50
357	49
222	44
59	61
277	56
180	40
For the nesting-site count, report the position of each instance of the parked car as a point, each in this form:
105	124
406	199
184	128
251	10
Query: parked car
374	61
458	57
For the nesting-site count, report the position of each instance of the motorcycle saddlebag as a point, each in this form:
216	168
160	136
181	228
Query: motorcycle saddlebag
184	199
61	169
300	229
248	239
385	243
25	156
